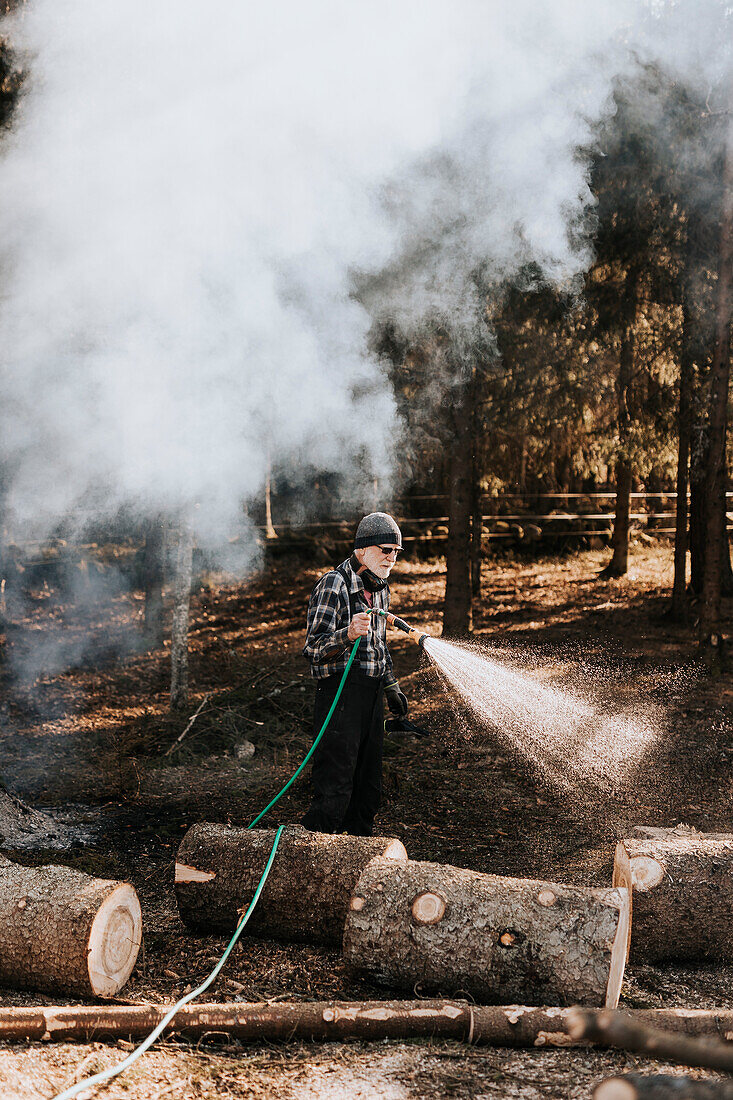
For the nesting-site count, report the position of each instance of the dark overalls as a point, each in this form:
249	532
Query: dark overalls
347	765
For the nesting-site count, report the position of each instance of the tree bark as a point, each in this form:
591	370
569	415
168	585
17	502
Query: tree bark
698	513
684	429
153	577
698	463
477	522
477	518
619	563
181	608
63	931
270	532
497	939
682	883
3	564
457	606
499	1025
661	1086
716	479
306	896
617	1029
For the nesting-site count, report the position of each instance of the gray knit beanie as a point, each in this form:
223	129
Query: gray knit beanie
376	528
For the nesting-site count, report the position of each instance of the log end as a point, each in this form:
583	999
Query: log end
395	850
619	949
646	873
428	908
615	1088
622	880
621	869
184	873
114	941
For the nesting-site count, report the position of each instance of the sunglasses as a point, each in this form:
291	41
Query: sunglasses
385	551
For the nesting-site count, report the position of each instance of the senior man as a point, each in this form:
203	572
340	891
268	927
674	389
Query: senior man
347	765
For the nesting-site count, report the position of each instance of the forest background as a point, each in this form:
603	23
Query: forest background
615	377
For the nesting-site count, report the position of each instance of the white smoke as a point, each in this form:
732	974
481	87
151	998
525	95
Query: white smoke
180	199
188	187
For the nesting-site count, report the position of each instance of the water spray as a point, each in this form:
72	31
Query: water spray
419	637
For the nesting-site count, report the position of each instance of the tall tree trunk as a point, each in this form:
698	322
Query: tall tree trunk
619	563
698	464
523	458
153	577
716	473
698	513
270	532
3	583
457	606
3	557
181	607
684	426
477	519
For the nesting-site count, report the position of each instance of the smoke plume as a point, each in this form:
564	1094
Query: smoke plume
187	191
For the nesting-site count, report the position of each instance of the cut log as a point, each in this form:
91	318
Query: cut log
497	1025
682	885
497	939
63	931
661	1086
306	896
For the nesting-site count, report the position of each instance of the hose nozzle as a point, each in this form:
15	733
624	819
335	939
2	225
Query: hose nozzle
417	636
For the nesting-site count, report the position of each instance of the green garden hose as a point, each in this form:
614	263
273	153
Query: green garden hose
113	1071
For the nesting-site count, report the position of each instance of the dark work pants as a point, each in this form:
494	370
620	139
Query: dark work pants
347	765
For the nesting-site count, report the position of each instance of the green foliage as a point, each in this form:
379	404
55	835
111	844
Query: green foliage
567	381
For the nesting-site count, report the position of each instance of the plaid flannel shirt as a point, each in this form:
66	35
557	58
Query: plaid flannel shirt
327	646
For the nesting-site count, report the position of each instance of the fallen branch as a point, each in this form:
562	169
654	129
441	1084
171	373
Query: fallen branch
265	673
279	690
621	1030
500	1025
191	721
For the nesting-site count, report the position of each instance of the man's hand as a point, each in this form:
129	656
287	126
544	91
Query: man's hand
396	700
359	626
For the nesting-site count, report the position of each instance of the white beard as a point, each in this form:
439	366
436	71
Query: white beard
382	571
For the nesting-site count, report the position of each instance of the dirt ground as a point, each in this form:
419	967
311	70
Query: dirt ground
88	745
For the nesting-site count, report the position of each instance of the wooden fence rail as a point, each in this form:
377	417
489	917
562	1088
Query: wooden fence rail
654	512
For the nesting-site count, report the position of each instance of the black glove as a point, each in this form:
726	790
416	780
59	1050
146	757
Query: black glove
396	700
404	725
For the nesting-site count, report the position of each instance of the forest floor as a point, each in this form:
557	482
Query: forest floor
84	730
